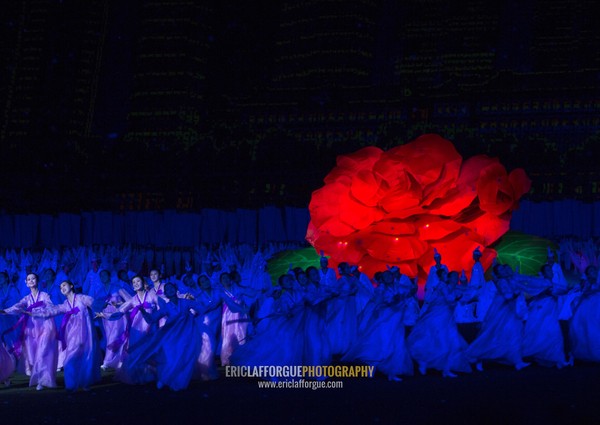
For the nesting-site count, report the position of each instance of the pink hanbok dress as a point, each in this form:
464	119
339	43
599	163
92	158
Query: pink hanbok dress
137	327
113	329
135	330
234	325
36	344
173	350
210	322
78	340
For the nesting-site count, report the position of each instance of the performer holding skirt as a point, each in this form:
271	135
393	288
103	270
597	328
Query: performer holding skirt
174	348
501	336
35	343
77	338
435	341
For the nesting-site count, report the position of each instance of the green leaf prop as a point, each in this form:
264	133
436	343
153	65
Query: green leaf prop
525	251
280	263
518	249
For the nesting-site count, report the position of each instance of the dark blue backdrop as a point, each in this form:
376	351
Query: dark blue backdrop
268	224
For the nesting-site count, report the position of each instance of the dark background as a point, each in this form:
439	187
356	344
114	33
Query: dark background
227	104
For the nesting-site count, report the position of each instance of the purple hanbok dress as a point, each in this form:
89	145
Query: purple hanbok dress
36	344
234	326
78	340
172	351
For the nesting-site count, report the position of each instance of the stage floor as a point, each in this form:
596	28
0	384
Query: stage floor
498	395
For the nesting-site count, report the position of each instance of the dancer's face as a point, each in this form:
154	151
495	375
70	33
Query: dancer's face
137	284
154	275
31	281
66	288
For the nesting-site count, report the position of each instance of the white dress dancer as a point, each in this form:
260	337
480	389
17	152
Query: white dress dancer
435	341
501	336
542	336
381	341
584	331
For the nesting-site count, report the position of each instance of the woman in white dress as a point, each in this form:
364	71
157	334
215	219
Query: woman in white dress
584	330
435	341
501	336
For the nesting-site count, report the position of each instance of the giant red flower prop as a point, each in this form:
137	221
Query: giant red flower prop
379	209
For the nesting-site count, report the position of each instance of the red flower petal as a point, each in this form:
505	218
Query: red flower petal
432	228
494	190
368	188
391	208
395	249
489	226
520	182
465	191
358	215
394	228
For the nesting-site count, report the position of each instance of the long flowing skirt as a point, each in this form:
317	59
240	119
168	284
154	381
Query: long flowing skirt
584	330
501	335
234	328
382	343
206	368
41	352
7	363
436	343
341	324
113	330
542	337
82	357
279	344
172	352
317	351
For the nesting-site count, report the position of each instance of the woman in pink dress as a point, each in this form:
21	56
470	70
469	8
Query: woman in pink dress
107	297
174	348
210	300
136	327
157	286
234	319
76	337
35	344
146	300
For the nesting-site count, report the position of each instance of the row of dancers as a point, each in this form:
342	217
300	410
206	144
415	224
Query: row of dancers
170	334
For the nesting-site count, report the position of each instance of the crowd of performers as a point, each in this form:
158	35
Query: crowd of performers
172	330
